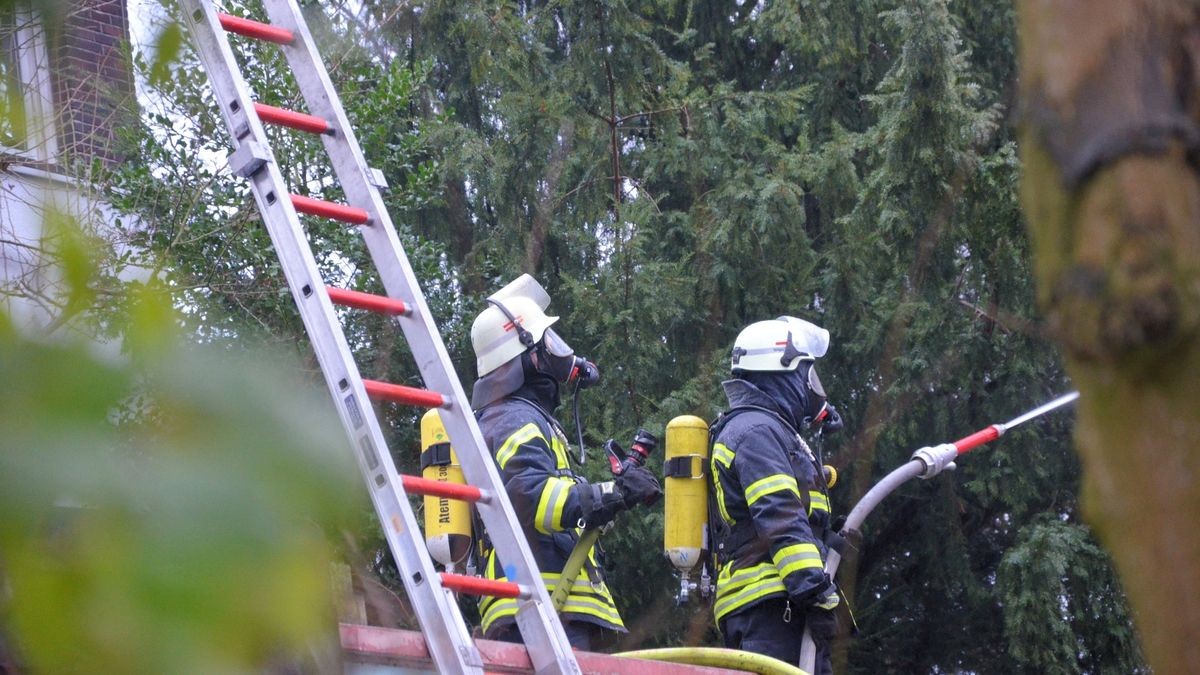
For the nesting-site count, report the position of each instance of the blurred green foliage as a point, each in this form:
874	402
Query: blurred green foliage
169	41
166	510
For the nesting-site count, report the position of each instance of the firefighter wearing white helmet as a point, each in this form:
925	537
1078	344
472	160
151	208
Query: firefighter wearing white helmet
522	366
771	519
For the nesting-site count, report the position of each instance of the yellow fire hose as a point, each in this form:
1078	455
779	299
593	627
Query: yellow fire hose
718	658
574	566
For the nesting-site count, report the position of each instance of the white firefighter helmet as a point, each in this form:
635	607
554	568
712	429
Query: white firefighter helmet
778	345
514	321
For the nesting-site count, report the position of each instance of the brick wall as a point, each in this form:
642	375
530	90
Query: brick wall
92	79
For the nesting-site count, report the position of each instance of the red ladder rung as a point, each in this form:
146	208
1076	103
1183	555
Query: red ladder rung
367	301
480	586
402	394
292	119
317	207
255	29
437	488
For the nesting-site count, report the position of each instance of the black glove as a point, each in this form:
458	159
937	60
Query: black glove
824	594
833	421
820	618
828	600
638	486
600	503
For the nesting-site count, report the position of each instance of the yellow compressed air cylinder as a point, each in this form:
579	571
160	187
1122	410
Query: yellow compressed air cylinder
447	521
685	532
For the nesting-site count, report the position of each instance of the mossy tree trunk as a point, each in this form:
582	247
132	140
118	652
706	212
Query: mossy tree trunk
1112	194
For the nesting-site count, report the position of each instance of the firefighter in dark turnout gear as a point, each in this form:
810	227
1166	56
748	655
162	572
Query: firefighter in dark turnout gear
771	511
522	365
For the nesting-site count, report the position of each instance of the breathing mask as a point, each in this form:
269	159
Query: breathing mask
816	403
558	360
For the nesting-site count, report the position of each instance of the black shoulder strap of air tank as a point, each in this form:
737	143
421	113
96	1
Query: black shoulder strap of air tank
724	541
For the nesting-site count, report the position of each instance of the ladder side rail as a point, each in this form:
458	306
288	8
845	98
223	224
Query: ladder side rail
446	633
540	625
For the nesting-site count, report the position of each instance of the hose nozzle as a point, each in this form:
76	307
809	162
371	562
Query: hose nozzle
936	458
644	443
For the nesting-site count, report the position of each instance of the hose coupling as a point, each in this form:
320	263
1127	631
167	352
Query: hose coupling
936	458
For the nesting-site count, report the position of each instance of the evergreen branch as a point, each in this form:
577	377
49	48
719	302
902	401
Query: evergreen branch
624	118
602	118
983	314
576	189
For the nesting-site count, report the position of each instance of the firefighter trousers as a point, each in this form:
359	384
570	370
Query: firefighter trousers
762	629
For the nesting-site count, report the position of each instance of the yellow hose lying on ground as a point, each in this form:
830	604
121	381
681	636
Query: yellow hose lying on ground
718	658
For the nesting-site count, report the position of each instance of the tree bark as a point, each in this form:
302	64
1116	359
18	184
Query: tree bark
1112	194
462	243
547	202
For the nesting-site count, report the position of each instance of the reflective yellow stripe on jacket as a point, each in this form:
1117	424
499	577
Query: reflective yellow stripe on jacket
559	445
796	557
512	443
528	433
550	505
738	589
584	599
774	483
817	502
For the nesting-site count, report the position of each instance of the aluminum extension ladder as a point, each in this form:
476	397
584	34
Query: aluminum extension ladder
446	634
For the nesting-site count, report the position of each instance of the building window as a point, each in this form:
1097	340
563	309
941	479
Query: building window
12	114
26	123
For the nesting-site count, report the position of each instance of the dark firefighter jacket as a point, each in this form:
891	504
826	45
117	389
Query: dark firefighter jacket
766	490
531	452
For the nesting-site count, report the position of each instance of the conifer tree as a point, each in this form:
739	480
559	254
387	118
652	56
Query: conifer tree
674	170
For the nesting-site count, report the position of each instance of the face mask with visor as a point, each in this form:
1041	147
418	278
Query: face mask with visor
818	404
558	360
555	357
